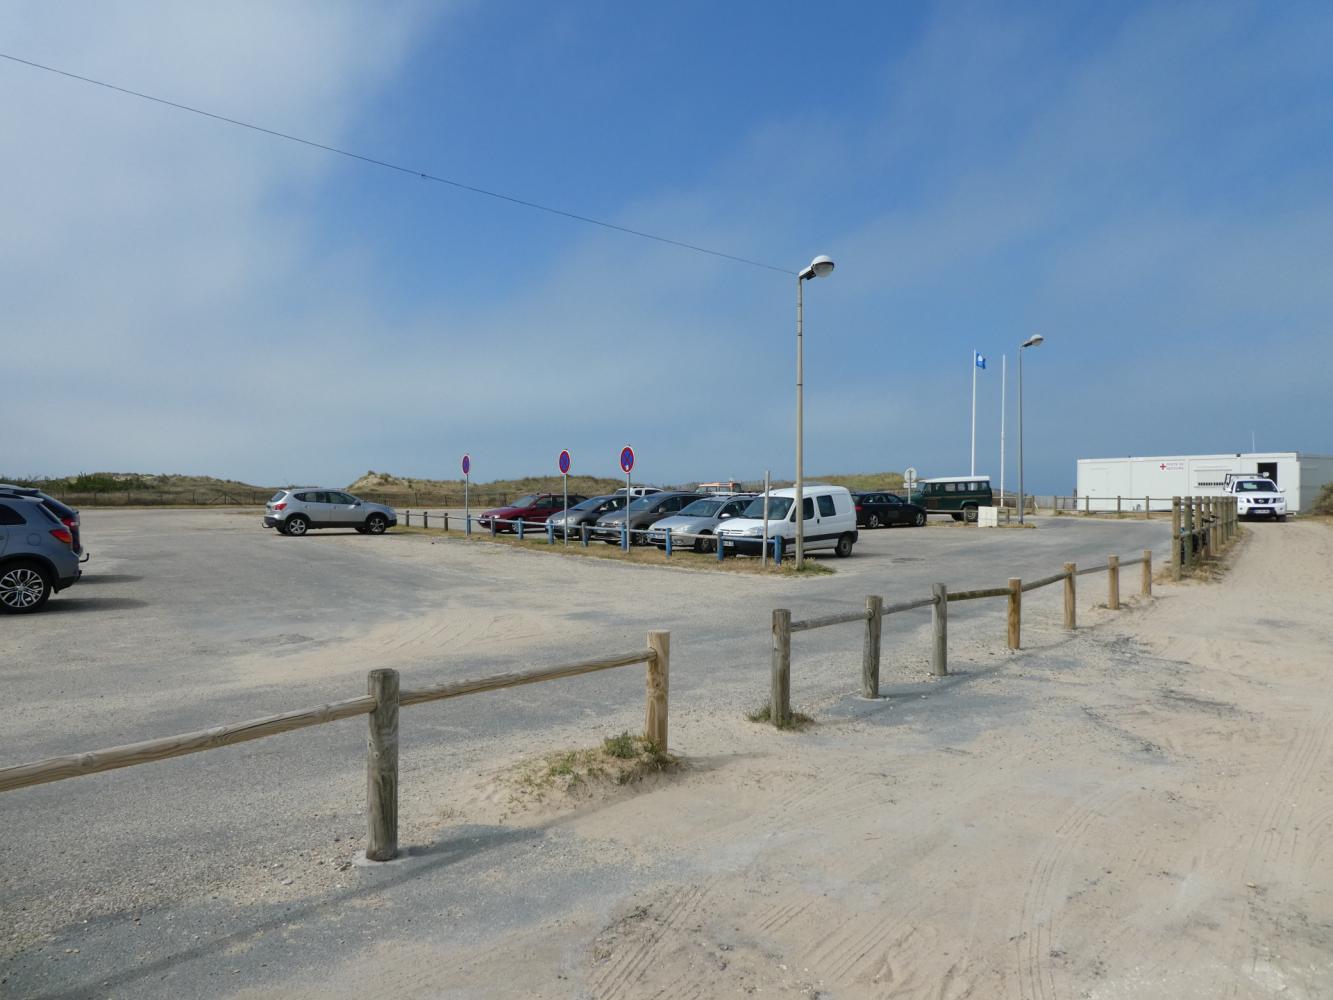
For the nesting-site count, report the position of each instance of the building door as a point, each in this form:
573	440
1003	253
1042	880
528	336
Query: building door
1269	471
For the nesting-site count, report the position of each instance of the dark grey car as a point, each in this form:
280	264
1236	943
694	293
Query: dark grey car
644	511
37	556
587	512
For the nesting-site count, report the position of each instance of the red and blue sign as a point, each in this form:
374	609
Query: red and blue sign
467	465
626	459
564	463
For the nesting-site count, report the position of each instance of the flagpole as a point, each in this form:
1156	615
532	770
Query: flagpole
973	470
1003	376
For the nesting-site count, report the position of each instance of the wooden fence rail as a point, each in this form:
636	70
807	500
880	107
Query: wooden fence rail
381	704
941	597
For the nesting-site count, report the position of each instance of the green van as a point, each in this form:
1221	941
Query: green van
958	496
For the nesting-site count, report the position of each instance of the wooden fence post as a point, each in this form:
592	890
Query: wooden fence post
1189	532
939	626
1147	508
1015	613
382	767
1087	504
870	655
446	522
1113	582
1145	580
1071	610
1117	506
1175	538
659	682
779	705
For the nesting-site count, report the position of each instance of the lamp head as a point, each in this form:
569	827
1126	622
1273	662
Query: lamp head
819	267
1033	341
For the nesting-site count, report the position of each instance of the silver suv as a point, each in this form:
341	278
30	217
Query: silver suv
295	511
37	556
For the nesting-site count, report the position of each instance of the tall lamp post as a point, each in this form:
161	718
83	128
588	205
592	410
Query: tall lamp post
819	267
1033	341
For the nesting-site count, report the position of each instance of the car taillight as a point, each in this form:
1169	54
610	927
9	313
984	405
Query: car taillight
280	506
62	535
70	522
858	507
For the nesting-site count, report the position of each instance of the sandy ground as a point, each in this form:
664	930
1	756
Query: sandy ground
1142	808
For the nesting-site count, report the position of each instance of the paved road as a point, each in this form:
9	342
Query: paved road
188	619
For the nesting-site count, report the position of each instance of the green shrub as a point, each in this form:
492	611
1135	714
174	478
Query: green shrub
1324	502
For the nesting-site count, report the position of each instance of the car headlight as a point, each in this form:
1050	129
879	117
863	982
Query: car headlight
753	532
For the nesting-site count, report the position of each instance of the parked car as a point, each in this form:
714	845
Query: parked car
722	486
587	511
297	510
532	508
67	516
642	512
37	557
881	510
699	519
957	496
830	521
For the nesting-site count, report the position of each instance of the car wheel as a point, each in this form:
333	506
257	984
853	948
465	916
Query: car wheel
872	521
24	587
297	525
376	523
844	547
970	514
1281	517
920	519
956	517
705	545
280	528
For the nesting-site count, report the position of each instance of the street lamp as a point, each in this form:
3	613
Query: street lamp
819	267
1035	340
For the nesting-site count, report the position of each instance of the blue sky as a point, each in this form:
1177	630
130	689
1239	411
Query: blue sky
1146	186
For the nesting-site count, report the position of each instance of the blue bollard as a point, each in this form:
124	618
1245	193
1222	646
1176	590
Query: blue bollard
583	534
467	526
624	538
721	549
492	527
777	550
668	543
550	533
519	529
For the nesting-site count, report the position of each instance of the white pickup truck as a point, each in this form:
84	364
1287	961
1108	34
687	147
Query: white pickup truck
1256	496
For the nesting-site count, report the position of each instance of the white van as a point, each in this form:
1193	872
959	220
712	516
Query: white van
830	521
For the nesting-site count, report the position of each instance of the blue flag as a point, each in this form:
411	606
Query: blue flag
980	360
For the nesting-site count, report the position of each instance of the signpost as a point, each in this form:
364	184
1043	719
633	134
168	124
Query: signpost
564	464
467	477
626	466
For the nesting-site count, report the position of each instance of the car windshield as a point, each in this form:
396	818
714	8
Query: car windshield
703	508
646	503
589	504
525	501
1256	486
778	507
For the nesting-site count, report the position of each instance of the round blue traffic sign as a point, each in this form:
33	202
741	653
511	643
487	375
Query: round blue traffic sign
467	464
626	459
564	463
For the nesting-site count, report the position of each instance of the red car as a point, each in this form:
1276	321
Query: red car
534	508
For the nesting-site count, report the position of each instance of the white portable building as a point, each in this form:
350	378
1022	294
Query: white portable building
1134	481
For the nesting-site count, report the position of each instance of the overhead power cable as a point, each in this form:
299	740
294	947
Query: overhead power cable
387	165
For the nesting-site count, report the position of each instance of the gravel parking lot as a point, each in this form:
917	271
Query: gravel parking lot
187	619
